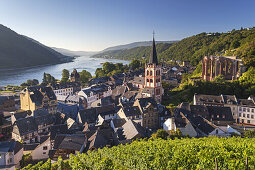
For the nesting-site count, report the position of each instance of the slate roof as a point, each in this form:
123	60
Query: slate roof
229	99
58	129
97	140
246	102
224	113
21	115
37	96
146	102
139	80
131	111
132	129
31	146
69	110
118	122
26	125
118	90
209	98
200	110
202	125
44	120
11	146
153	56
68	141
88	115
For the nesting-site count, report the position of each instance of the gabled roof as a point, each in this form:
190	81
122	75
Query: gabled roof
131	111
88	115
147	102
44	120
202	125
26	125
71	142
220	113
246	102
58	129
11	146
97	140
132	129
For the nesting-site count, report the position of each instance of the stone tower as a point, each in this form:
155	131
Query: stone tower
153	86
75	76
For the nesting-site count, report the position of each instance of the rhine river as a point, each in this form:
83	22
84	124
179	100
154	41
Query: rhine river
18	76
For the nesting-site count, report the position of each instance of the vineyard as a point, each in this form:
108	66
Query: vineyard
203	153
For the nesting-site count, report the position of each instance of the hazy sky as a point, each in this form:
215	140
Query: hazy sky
93	25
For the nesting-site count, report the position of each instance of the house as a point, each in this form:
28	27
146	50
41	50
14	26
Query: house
182	123
25	130
131	113
206	128
88	116
138	82
133	130
63	89
242	109
66	144
69	110
39	151
150	112
30	129
38	97
10	154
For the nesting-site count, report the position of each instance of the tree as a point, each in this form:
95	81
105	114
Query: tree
100	72
85	76
161	133
65	75
108	67
135	64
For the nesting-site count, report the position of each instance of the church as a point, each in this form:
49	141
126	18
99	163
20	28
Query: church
153	76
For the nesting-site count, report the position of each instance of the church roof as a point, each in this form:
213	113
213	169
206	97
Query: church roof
153	57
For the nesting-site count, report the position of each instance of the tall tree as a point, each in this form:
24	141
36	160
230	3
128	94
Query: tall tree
85	76
65	75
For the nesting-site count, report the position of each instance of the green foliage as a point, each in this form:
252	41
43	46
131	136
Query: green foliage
29	82
237	42
85	76
48	79
184	153
65	75
110	69
161	133
26	159
249	133
135	64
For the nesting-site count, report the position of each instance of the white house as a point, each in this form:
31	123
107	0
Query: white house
10	154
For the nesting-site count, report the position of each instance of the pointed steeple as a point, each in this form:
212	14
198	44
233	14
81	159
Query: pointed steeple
153	57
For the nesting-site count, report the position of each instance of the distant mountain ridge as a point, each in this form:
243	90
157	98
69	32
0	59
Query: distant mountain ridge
74	53
135	44
19	51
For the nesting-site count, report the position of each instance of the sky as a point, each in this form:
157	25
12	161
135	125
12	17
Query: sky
93	25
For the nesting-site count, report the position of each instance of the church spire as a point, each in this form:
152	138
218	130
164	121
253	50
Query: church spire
153	57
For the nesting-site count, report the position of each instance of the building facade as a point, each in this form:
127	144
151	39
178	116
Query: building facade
152	86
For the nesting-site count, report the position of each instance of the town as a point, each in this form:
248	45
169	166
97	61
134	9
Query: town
56	120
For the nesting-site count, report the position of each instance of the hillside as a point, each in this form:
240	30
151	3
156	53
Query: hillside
129	54
230	153
235	42
135	44
18	51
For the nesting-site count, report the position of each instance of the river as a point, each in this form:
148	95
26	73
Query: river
18	76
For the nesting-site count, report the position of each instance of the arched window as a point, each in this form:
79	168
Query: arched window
151	80
148	73
148	80
151	73
158	72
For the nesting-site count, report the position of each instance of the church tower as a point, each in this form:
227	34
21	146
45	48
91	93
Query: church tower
153	86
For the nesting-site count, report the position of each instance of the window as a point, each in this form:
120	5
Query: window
44	153
223	116
252	110
248	110
243	115
252	116
151	80
148	73
217	131
248	115
148	80
45	148
240	114
240	109
218	116
248	121
244	109
242	121
151	73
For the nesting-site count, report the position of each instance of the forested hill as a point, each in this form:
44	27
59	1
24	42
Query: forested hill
236	42
18	51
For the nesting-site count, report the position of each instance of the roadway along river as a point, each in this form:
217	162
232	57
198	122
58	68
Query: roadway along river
18	76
